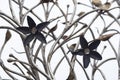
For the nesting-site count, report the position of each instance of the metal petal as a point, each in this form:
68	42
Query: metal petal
42	25
79	52
28	39
83	42
24	30
40	37
94	44
86	60
95	55
31	22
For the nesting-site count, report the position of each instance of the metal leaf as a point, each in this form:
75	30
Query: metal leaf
97	3
8	35
72	47
105	6
81	13
106	37
53	29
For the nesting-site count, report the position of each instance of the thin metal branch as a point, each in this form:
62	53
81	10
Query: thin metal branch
103	75
83	70
30	11
11	10
5	68
3	14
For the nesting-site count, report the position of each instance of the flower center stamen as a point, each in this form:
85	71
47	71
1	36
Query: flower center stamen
86	51
34	30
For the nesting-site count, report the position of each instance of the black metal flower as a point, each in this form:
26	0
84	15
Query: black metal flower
33	31
88	50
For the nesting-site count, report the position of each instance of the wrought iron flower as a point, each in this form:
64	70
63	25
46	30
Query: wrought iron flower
88	51
33	31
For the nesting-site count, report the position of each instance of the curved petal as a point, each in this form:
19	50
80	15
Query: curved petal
42	25
83	42
31	22
86	61
94	44
95	55
28	39
24	30
78	52
40	37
